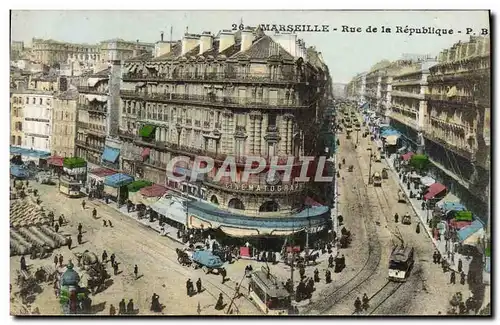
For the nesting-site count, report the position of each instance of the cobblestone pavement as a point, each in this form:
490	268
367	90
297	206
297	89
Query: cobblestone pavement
132	243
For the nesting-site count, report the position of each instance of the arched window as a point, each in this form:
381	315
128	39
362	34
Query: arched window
269	206
214	200
235	203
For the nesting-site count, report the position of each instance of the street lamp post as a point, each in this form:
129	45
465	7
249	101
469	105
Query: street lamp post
357	136
370	170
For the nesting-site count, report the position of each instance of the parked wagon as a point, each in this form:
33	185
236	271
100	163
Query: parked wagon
207	261
385	174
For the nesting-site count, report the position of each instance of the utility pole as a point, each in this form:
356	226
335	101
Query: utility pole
357	136
370	170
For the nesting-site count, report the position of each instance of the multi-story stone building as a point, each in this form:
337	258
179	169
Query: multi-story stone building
408	109
37	118
64	124
457	129
119	50
17	102
240	95
92	122
373	90
356	88
50	52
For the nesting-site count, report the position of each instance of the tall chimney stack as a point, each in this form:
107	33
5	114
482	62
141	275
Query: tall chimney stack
226	39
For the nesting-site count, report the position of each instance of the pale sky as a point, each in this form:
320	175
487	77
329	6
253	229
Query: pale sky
346	54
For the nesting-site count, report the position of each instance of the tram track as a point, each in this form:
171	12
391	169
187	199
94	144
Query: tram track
372	262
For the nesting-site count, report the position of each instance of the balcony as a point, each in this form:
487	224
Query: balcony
223	102
98	130
431	134
206	124
217	125
189	121
218	77
272	129
91	90
150	142
92	108
127	134
197	123
155	164
455	100
407	94
92	147
398	116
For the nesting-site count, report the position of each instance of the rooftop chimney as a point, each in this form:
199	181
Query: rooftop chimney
162	48
226	39
161	37
206	42
246	39
189	42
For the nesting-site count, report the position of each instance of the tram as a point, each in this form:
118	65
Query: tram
69	187
268	293
401	263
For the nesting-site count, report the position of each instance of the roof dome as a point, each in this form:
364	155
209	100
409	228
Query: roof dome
70	277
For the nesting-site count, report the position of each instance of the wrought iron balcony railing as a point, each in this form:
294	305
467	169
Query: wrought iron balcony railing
92	108
91	90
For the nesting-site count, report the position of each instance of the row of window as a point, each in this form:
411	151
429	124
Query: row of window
32	100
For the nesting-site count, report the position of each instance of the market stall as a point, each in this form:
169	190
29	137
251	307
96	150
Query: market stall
115	186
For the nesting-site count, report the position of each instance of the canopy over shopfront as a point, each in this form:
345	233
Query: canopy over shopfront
29	153
19	171
450	198
388	132
55	161
154	190
172	208
407	156
118	180
434	190
137	185
466	232
392	140
101	173
427	181
452	206
110	154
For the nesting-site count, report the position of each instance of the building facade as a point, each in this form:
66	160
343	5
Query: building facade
239	95
119	50
356	88
17	102
37	118
64	124
92	116
408	111
50	52
457	132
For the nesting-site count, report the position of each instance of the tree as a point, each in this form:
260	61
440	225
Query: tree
419	162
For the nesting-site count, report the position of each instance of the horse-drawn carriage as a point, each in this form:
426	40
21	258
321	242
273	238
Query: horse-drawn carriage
406	220
351	168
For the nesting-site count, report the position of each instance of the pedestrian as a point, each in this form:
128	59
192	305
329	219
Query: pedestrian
56	289
23	263
112	310
434	257
61	220
438	257
328	276
104	223
357	305
112	259
83	205
452	277
80	228
110	224
115	268
94	213
418	228
302	271
104	256
462	278
130	307
396	218
460	265
198	285
56	227
70	241
316	275
56	260
121	307
61	259
79	238
188	287
223	273
330	261
136	271
220	302
365	301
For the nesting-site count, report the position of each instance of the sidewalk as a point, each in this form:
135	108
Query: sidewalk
440	245
170	231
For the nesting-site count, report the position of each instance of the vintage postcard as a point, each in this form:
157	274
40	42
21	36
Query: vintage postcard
250	163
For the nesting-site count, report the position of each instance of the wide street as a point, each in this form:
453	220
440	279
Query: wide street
368	213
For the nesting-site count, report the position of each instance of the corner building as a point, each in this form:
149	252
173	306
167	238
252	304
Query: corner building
236	94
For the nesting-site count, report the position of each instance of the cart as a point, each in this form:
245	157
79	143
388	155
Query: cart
207	261
385	174
406	219
351	168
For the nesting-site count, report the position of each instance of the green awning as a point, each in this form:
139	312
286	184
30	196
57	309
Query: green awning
463	216
74	162
147	130
137	185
